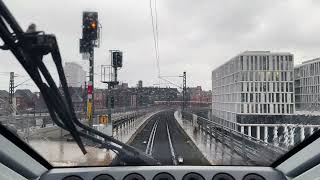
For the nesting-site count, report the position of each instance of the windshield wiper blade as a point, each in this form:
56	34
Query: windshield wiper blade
29	49
130	157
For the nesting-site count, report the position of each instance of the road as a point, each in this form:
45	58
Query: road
163	138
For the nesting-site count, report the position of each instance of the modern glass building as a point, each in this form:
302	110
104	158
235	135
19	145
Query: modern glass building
252	87
307	85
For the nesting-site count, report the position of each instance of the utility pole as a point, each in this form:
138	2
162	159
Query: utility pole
12	103
184	93
90	97
11	89
11	95
85	97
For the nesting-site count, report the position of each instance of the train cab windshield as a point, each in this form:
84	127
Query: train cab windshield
121	83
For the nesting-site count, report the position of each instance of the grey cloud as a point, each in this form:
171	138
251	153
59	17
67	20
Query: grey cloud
196	36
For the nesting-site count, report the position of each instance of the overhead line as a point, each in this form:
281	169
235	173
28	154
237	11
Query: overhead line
155	31
154	38
171	83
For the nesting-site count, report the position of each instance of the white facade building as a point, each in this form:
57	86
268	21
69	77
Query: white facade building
253	83
75	74
307	85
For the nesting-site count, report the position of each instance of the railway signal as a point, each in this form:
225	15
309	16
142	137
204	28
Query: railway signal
117	59
90	39
90	25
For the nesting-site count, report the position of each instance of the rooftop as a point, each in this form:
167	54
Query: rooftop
308	62
264	52
311	61
253	53
4	94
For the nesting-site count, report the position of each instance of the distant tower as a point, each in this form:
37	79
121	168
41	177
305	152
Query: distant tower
31	28
75	74
139	84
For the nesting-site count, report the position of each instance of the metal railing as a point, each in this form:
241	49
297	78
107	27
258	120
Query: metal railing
253	150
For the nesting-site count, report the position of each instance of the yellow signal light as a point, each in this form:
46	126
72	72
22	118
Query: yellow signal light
93	25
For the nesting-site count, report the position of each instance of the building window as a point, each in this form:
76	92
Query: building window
264	87
256	62
252	65
290	87
286	98
247	60
257	76
269	95
251	97
242	97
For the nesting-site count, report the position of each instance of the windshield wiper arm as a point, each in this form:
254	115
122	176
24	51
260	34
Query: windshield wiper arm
29	49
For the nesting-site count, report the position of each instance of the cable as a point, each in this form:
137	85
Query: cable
22	82
155	39
155	31
171	83
157	34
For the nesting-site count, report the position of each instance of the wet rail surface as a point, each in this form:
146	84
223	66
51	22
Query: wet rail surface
163	138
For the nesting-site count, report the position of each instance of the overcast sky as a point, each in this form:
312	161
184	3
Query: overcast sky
194	36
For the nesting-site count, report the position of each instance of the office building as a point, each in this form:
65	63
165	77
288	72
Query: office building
253	87
307	85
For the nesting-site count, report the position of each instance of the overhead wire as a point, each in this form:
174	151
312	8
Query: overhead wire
155	37
155	32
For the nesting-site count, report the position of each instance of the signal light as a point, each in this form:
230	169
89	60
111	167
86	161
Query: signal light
93	25
90	26
117	59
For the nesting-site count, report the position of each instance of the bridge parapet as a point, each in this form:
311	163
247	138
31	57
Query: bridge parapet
284	135
254	150
285	131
